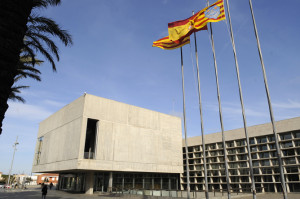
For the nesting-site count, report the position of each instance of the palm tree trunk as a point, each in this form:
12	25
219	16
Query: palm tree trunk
13	18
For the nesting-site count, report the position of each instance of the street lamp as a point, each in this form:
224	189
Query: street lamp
12	162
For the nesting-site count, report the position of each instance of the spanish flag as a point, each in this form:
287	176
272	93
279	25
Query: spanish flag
213	13
167	44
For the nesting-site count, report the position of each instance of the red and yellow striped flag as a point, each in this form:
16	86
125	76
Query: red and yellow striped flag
167	44
198	21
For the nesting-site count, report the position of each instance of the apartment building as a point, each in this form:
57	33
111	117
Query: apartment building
264	156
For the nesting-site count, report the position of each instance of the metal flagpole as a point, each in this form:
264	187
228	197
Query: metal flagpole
283	184
242	104
220	110
185	134
220	114
12	161
201	120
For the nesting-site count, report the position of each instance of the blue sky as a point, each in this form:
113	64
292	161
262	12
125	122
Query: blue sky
113	57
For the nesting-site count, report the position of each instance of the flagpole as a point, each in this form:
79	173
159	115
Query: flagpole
201	120
220	111
185	134
242	104
283	184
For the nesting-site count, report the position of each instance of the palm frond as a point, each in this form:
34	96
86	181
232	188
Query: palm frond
46	25
14	93
38	47
45	3
48	42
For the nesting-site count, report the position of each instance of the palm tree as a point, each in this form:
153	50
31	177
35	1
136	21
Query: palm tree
25	70
14	15
39	31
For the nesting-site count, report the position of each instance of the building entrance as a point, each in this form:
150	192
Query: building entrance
72	182
101	182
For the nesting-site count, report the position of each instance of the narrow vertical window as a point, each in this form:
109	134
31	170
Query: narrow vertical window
39	150
90	139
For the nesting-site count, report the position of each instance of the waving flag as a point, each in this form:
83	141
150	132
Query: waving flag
213	13
167	44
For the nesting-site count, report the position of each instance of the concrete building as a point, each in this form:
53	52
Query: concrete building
96	144
263	153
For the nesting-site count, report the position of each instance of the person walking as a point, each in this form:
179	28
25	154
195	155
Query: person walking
44	191
51	185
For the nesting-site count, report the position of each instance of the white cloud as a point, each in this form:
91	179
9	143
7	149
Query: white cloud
27	111
287	105
236	110
54	103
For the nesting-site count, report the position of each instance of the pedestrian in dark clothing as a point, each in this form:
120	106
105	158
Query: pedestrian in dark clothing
44	191
51	185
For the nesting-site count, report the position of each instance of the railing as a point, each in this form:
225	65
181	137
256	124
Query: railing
89	155
183	193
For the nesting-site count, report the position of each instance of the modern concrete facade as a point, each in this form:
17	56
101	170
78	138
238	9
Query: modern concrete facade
97	144
263	153
97	138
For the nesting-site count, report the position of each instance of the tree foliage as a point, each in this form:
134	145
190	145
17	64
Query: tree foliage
38	40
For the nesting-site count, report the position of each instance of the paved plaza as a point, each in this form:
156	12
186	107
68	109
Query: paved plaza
35	193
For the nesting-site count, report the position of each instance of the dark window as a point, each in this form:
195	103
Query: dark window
39	151
253	148
231	158
233	172
242	157
264	155
290	161
230	144
243	164
220	145
241	150
272	146
292	169
297	134
286	136
286	144
261	140
271	138
265	163
254	156
297	143
275	162
213	146
255	163
266	171
263	148
90	139
273	154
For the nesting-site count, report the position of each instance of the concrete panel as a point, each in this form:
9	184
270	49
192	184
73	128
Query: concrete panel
61	144
257	130
104	109
105	143
129	138
144	118
55	166
65	115
132	148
